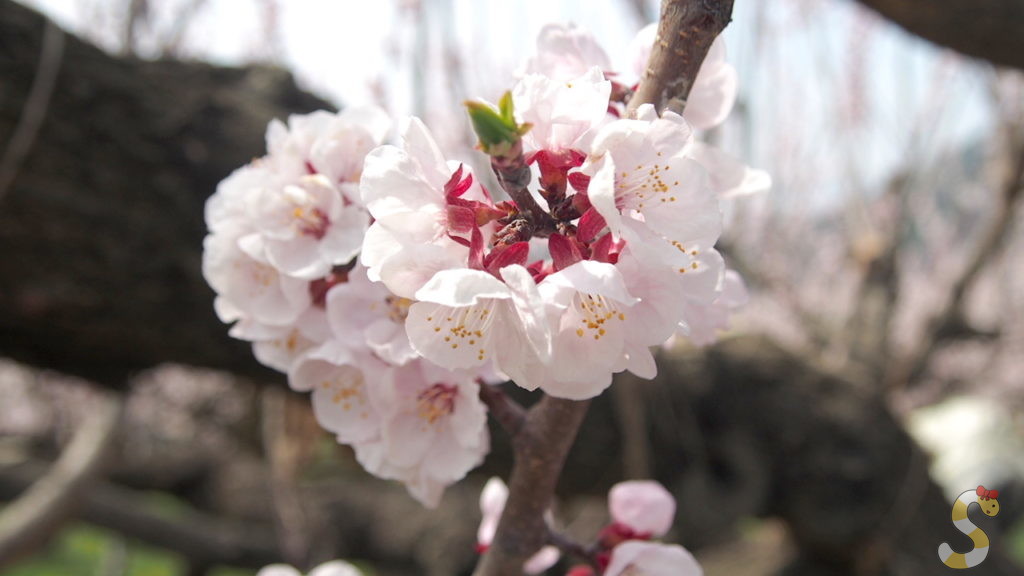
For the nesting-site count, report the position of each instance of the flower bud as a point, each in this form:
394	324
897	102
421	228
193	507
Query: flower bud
497	129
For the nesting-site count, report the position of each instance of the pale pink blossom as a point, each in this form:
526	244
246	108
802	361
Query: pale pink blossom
727	176
649	190
643	177
333	145
564	52
366	316
703	324
303	228
639	558
279	346
467	319
247	287
708	104
332	568
593	329
227	206
644	506
418	202
342	396
492	504
433	429
562	112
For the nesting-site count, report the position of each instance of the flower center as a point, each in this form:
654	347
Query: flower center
636	188
311	221
347	387
595	312
398	308
436	402
467	325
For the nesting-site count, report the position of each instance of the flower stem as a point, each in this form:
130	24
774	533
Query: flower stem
569	547
514	175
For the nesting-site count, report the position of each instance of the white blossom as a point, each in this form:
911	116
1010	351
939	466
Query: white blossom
638	558
644	506
332	568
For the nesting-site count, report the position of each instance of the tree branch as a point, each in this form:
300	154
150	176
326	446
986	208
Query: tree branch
36	104
35	515
685	33
540	449
509	414
987	29
946	322
200	537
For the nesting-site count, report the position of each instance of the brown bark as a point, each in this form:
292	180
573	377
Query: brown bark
102	226
686	30
986	29
540	447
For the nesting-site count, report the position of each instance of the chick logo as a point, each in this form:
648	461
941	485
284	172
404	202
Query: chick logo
987	500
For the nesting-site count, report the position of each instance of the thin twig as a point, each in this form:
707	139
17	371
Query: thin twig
193	534
36	105
36	514
909	369
514	176
629	399
569	547
283	459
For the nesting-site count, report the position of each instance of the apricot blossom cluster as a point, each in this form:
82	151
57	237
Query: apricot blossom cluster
390	283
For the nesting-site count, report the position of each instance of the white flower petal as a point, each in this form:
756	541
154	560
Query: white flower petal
335	568
637	558
728	176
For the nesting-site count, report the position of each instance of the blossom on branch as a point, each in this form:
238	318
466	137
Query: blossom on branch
652	559
332	568
388	282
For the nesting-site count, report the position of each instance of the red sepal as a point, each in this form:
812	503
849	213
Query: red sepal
461	219
607	249
457	185
590	225
564	251
476	250
506	256
579	181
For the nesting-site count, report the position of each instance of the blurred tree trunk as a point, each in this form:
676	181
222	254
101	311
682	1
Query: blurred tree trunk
102	225
986	29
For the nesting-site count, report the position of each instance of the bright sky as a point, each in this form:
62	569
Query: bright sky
796	87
